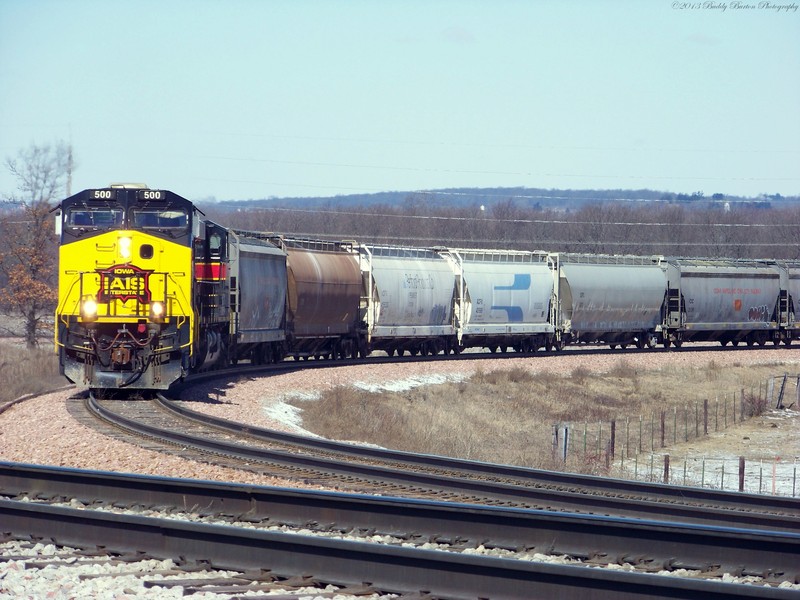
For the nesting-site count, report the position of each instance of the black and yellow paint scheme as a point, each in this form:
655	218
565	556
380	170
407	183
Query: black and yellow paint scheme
143	296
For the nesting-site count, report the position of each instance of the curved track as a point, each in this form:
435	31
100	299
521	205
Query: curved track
651	546
343	466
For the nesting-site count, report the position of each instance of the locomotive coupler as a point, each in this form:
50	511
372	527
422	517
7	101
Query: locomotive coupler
121	356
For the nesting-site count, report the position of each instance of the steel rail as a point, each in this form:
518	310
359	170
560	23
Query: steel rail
575	492
614	540
388	568
588	483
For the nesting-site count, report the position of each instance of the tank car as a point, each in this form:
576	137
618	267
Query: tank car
729	301
410	300
616	300
324	300
505	299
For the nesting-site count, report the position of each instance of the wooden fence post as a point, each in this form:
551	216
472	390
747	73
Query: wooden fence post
741	473
613	437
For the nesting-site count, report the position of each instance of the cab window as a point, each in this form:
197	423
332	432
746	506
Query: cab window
176	221
93	218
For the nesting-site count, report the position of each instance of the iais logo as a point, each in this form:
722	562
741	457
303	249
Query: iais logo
123	282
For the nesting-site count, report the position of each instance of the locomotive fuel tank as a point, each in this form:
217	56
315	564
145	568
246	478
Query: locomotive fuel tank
411	298
614	299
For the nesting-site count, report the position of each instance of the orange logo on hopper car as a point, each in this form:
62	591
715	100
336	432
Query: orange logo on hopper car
737	304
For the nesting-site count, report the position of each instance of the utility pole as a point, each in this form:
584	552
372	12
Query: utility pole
69	170
69	164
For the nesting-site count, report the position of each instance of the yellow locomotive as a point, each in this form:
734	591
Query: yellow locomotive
143	293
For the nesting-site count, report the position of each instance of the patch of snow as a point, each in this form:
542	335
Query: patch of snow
291	416
403	385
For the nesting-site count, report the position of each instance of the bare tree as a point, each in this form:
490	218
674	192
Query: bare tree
28	255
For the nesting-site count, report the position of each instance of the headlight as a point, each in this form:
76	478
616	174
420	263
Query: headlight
157	311
125	247
89	310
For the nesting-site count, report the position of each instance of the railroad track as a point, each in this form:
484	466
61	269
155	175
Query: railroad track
166	424
388	567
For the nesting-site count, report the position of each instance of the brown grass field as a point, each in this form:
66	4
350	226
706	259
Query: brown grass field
509	416
23	371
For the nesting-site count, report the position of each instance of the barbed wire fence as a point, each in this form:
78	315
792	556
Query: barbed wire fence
637	447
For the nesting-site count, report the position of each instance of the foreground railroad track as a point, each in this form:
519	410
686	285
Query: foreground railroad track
649	546
169	425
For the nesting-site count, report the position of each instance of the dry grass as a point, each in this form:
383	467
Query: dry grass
24	371
509	416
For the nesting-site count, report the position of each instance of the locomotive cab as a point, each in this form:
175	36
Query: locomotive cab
125	317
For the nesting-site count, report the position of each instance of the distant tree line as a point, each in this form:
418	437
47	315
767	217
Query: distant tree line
720	229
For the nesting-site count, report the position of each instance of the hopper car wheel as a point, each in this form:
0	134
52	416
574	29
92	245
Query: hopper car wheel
612	346
787	341
678	343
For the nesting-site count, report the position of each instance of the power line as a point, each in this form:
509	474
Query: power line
539	243
518	221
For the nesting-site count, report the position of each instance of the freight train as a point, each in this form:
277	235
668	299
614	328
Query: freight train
150	291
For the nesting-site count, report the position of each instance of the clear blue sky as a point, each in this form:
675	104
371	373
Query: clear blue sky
242	99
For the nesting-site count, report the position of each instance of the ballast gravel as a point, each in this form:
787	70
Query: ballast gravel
41	431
